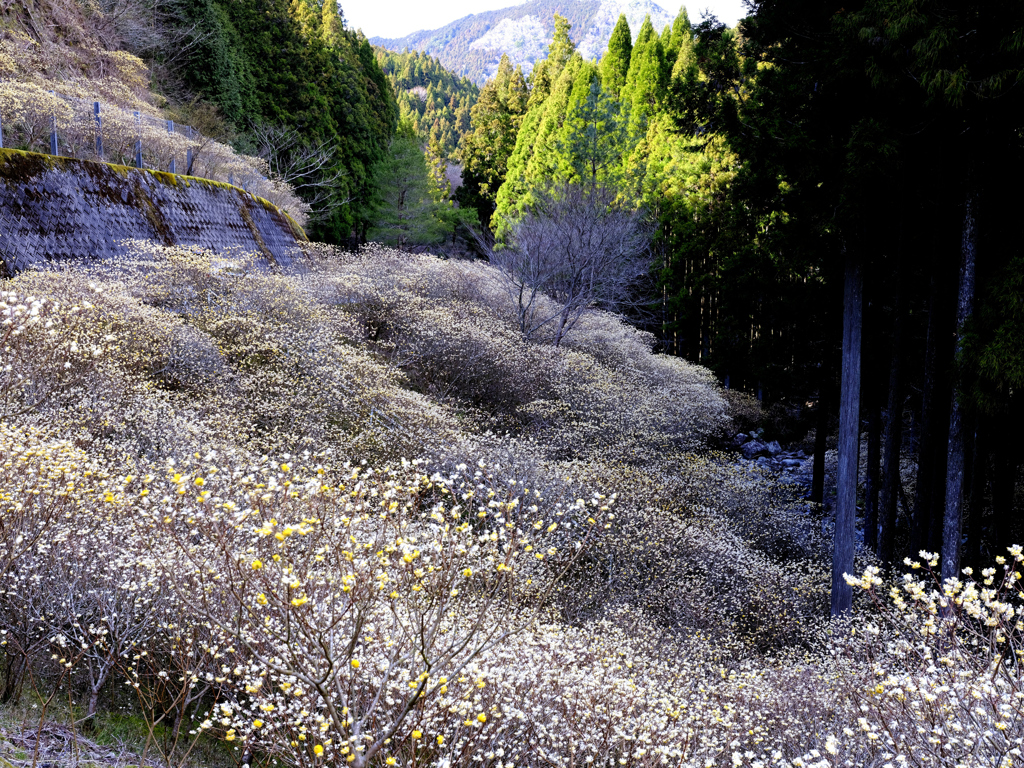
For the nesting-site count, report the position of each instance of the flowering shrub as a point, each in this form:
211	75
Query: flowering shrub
941	676
46	349
211	523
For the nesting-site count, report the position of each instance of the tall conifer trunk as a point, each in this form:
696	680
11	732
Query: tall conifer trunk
821	436
849	436
952	518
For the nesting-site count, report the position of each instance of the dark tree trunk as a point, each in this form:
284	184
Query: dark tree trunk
931	481
952	518
13	675
871	477
936	513
849	437
818	463
892	438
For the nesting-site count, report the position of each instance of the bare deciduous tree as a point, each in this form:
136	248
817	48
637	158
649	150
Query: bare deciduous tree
312	169
580	250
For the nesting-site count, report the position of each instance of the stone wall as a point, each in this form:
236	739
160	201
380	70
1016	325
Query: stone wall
56	209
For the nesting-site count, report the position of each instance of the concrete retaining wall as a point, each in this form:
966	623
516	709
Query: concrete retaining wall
56	209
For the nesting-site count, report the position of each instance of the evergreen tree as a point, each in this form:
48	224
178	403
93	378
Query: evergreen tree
592	139
647	80
682	34
292	65
405	210
539	84
615	62
536	156
684	63
561	49
443	112
485	151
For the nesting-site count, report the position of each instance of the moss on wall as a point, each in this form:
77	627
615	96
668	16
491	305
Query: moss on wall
59	208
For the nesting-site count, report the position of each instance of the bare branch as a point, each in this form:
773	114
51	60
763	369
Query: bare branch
574	251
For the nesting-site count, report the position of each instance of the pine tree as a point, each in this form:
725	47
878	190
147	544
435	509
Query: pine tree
536	156
538	83
591	142
615	62
443	114
682	34
332	23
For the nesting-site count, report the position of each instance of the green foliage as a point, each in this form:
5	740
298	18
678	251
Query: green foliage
593	138
406	207
647	80
615	62
485	150
562	47
294	65
436	102
613	130
682	36
723	269
537	154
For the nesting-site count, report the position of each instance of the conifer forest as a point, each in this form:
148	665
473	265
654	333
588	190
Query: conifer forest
661	407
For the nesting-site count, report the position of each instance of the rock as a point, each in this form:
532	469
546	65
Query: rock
753	448
791	463
774	448
741	438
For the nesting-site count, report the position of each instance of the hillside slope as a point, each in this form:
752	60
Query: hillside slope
472	46
434	100
352	517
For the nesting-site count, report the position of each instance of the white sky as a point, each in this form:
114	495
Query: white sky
397	18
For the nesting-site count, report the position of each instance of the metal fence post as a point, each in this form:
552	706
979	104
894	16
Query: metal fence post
138	141
188	154
170	130
1	132
99	129
53	129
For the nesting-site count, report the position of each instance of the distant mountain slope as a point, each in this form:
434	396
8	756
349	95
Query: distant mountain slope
436	101
472	46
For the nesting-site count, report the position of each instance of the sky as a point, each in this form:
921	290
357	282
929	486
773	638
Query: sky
397	18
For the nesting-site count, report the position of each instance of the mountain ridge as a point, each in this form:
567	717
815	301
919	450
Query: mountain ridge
472	46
